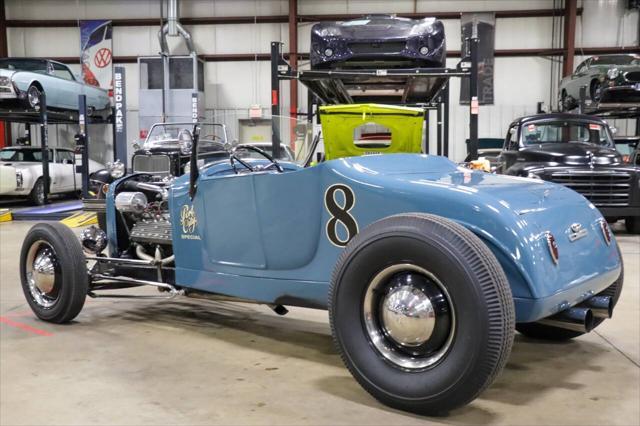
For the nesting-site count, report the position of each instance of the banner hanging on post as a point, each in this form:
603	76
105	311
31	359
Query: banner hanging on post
96	53
120	115
482	26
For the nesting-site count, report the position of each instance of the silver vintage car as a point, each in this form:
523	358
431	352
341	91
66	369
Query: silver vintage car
23	79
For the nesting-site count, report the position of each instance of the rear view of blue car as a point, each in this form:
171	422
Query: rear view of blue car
378	41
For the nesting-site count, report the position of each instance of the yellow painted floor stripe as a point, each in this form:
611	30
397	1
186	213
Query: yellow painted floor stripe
80	219
5	215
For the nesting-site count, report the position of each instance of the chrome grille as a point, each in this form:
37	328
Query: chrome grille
632	76
155	164
373	48
603	189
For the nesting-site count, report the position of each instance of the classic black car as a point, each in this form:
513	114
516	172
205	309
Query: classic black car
378	41
611	81
164	154
167	148
576	151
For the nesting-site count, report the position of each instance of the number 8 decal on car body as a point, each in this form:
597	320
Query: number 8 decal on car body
339	214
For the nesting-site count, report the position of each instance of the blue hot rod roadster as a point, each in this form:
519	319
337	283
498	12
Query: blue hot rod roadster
426	269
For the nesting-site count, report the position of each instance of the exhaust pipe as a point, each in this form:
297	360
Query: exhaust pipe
577	319
601	306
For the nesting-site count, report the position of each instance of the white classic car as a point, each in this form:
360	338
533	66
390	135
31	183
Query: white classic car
23	79
21	172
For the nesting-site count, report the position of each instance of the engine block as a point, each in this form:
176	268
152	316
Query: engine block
151	231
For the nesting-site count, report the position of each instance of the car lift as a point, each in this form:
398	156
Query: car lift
611	111
427	88
43	117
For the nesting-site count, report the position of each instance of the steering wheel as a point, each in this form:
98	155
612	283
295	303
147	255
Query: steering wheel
212	136
233	157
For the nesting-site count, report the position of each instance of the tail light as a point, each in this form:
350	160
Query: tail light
552	245
606	231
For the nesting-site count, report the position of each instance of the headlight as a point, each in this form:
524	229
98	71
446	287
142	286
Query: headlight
19	179
5	81
328	52
185	146
424	50
532	175
116	169
613	73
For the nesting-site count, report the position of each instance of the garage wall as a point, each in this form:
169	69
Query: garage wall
520	82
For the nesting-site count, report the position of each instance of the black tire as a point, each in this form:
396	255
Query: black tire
547	332
632	224
562	99
36	196
595	91
102	221
480	295
33	96
70	277
565	102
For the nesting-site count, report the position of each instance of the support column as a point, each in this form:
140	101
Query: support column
84	139
44	146
445	119
4	53
293	55
473	100
569	47
275	99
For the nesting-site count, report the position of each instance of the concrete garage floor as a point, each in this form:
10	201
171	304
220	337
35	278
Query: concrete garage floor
192	362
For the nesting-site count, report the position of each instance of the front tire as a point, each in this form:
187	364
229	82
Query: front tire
632	224
565	102
595	91
33	96
53	272
421	313
36	196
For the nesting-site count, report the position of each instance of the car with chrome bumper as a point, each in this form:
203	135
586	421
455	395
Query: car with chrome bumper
23	176
23	80
576	151
611	81
164	154
426	268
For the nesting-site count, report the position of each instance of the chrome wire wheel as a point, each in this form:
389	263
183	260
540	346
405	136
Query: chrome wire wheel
38	193
33	97
409	317
43	274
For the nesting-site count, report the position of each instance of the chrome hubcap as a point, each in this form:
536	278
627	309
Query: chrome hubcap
41	265
409	316
34	97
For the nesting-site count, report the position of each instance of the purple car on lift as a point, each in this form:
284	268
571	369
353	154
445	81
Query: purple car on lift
378	41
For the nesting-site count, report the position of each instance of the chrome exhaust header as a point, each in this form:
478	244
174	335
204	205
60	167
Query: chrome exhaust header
577	319
601	306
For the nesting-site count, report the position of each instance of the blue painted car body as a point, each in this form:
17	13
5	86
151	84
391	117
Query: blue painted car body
264	235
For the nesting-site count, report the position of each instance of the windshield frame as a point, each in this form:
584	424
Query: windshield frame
575	121
186	125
